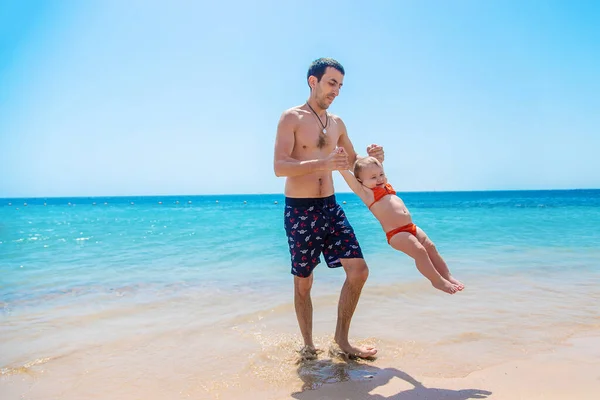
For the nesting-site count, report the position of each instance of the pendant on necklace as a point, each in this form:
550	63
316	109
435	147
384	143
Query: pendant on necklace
324	130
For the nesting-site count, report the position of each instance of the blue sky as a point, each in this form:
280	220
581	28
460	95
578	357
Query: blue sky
146	97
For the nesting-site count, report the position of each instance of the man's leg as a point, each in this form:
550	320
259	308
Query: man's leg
356	276
342	246
304	312
305	229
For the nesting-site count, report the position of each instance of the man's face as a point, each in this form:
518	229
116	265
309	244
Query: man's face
329	87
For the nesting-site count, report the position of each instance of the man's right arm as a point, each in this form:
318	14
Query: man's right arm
284	164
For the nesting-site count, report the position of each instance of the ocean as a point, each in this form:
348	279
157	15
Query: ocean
192	296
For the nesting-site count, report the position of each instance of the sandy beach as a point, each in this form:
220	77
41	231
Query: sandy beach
569	371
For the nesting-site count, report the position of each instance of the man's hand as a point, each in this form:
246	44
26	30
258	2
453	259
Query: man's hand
337	160
376	151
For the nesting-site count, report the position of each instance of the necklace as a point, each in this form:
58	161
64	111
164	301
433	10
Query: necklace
319	118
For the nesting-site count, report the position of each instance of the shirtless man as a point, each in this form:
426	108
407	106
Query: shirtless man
305	153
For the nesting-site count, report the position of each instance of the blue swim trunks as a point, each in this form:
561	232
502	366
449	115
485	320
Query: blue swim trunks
315	226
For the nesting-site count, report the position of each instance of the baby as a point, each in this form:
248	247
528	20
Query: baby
370	184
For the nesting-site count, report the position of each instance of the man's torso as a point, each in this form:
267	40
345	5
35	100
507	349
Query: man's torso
311	144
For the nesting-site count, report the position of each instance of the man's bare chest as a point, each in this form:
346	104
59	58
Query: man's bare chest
311	137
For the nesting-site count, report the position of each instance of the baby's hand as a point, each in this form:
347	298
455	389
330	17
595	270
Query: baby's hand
337	160
376	151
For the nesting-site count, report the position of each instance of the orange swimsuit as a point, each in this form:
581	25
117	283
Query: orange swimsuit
381	192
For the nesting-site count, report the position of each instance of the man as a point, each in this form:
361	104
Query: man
306	154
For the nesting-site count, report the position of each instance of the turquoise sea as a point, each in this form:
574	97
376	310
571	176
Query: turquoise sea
107	283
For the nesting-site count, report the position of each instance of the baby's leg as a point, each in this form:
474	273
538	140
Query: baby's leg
408	244
436	259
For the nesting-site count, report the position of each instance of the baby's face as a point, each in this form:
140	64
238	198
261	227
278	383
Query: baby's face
372	176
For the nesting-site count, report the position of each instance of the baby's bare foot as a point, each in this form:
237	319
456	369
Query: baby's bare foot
445	286
459	285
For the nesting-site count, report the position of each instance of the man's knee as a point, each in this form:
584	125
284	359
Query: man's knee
358	271
302	286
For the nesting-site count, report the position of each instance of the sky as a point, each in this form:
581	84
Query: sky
183	97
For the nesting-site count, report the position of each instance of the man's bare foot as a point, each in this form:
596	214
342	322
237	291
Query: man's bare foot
352	352
459	285
308	353
445	286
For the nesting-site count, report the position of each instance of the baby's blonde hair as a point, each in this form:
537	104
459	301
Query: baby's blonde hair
363	162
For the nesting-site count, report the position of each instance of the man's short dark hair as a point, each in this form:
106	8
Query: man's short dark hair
318	67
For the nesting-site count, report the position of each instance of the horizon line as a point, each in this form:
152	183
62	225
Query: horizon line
282	194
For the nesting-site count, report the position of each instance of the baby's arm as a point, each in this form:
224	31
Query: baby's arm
354	184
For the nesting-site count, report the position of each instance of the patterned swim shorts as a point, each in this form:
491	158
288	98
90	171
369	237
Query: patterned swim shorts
316	226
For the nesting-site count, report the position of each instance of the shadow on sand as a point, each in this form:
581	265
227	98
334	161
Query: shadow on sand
362	379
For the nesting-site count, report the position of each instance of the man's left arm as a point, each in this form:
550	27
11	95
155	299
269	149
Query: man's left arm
345	142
